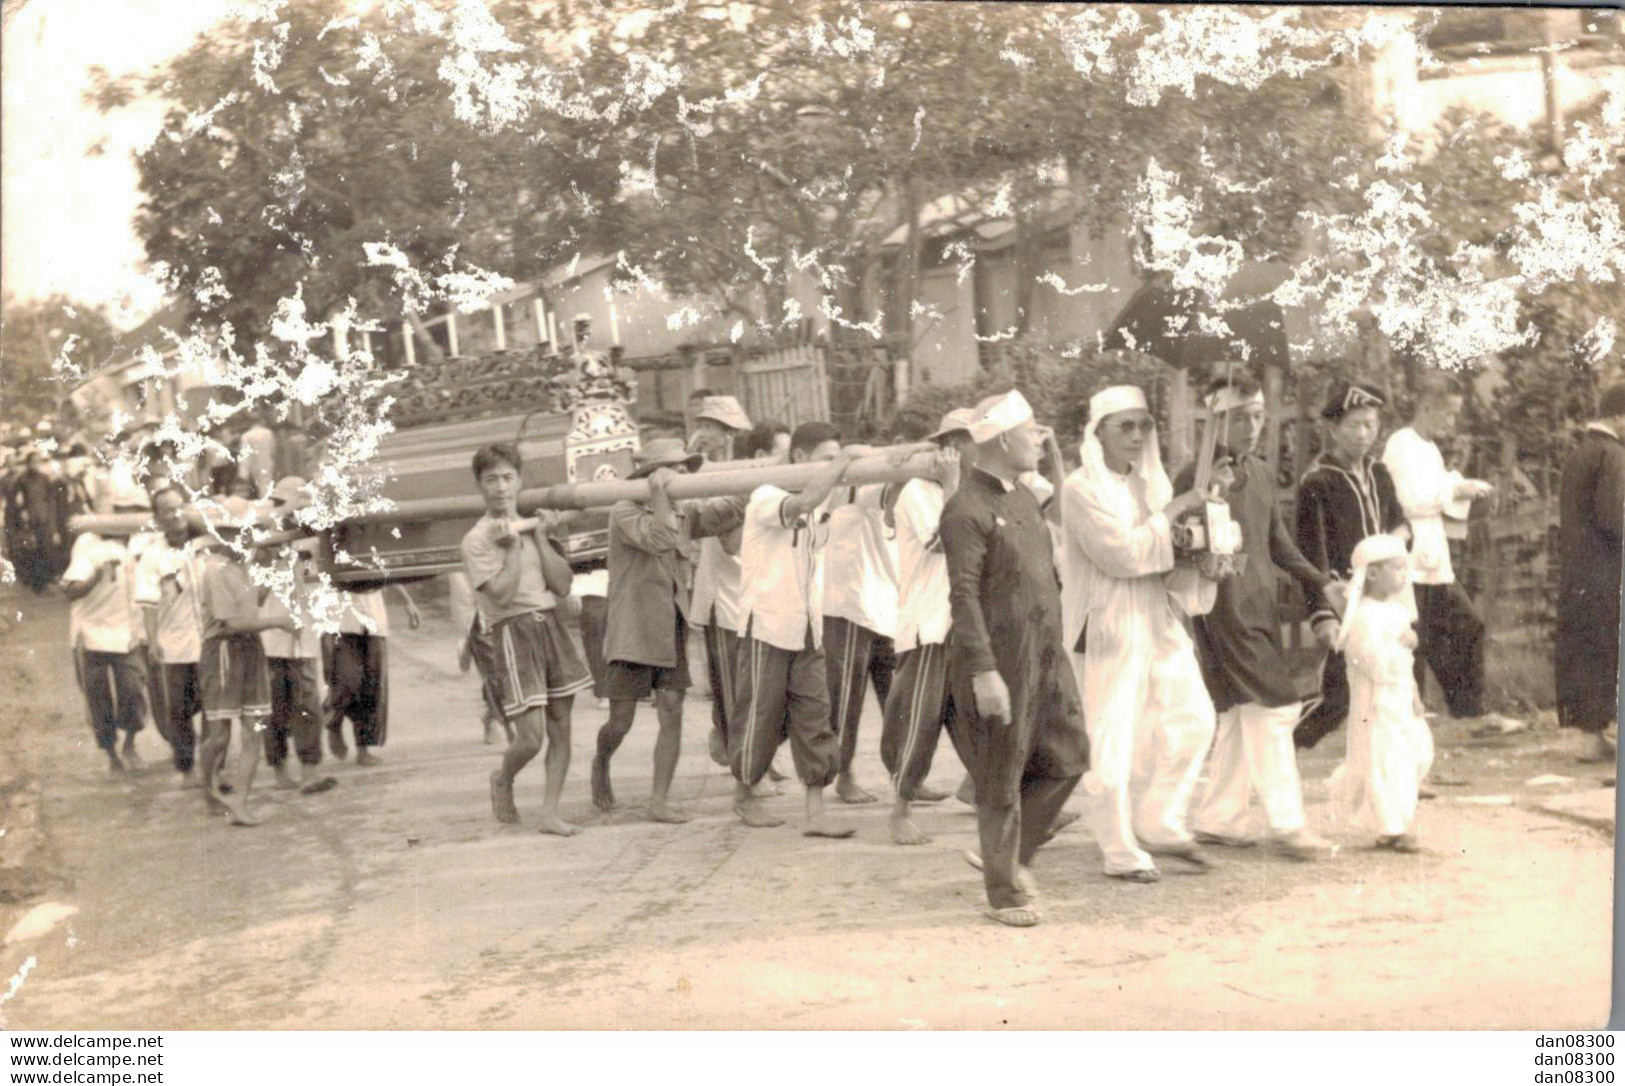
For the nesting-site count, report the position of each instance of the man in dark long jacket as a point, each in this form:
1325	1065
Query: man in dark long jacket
1593	516
1008	658
1346	495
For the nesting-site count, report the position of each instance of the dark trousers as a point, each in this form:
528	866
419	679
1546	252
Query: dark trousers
721	659
357	685
918	708
854	658
177	699
1325	716
781	694
483	653
1450	640
1011	834
112	686
296	711
594	620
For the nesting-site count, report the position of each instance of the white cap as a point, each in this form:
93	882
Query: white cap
1377	548
999	415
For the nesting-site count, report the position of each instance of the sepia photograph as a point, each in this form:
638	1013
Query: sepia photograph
842	515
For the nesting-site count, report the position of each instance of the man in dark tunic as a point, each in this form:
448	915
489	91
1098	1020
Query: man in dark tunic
1253	685
1592	512
1025	734
1346	495
33	534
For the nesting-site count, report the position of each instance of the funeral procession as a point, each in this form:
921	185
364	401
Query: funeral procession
522	514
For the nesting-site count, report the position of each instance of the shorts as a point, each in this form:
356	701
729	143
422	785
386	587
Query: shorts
236	682
627	681
535	660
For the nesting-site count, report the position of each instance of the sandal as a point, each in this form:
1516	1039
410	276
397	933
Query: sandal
1017	916
1189	854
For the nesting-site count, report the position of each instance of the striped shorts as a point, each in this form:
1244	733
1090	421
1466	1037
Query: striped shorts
236	682
535	660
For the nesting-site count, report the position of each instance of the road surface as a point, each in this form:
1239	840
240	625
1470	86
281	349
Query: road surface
395	901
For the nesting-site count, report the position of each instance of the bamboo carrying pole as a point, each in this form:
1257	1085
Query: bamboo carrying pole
737	482
733	478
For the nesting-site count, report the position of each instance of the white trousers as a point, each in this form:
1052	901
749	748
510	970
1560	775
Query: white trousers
1253	752
1151	805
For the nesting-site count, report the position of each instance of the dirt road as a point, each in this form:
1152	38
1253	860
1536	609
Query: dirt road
396	902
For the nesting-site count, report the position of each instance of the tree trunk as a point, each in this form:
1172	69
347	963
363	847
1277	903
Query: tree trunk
431	350
908	265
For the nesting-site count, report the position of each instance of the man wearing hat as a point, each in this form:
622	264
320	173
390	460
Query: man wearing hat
713	424
1346	495
1248	674
1012	682
1588	536
646	635
920	704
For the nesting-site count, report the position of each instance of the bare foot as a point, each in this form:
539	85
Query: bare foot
131	759
284	779
365	757
552	823
749	810
923	794
502	799
336	745
766	789
967	791
603	796
905	832
820	826
718	747
665	812
241	816
773	773
848	790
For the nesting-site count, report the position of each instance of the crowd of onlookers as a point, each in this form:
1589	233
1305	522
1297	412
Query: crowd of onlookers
47	479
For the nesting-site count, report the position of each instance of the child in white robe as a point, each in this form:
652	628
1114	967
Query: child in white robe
1390	748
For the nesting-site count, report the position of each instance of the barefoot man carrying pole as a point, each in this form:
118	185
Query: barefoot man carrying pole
537	670
1009	661
646	638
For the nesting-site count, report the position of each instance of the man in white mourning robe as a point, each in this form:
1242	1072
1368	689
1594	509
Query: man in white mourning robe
1149	717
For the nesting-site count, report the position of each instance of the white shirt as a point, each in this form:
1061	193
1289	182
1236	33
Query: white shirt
923	613
105	619
167	580
718	586
860	575
301	643
1426	492
365	605
593	583
782	569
